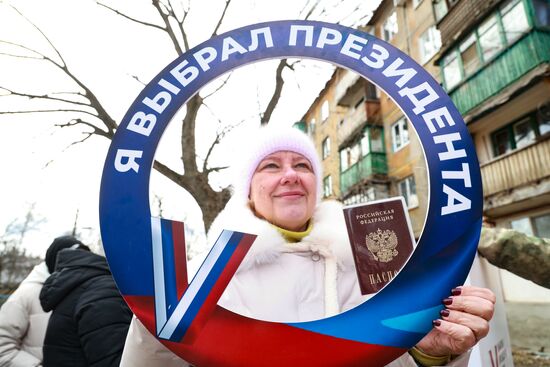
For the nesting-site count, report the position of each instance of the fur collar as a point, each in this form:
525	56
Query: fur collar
328	237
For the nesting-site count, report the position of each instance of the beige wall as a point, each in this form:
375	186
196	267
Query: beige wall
409	160
327	128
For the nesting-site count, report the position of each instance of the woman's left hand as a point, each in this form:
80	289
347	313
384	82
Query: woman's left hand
463	322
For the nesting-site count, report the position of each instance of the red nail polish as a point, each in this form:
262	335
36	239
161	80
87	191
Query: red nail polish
444	313
456	291
448	301
436	322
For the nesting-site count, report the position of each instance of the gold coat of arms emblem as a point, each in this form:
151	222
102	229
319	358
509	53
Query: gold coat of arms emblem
382	245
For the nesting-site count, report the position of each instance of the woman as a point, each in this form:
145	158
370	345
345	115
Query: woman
300	267
23	322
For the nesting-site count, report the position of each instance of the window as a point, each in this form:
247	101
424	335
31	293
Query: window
407	189
469	55
542	12
344	159
372	92
327	186
324	111
542	226
543	118
485	42
538	226
326	147
376	140
359	102
524	133
400	134
440	9
489	38
312	126
430	42
502	142
451	70
519	133
354	154
365	145
514	20
416	3
522	225
389	28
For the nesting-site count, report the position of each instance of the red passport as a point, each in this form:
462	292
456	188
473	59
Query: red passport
381	240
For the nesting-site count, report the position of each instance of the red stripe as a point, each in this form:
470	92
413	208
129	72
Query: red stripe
219	287
229	339
180	258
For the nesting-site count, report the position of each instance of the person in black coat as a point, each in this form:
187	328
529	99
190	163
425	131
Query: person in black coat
90	319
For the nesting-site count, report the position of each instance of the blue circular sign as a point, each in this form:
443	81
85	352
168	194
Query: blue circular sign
376	331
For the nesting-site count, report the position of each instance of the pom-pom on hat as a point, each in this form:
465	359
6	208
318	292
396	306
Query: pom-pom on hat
265	141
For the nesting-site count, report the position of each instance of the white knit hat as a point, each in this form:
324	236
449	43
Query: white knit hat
268	140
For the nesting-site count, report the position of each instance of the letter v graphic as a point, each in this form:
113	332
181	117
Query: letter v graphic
181	310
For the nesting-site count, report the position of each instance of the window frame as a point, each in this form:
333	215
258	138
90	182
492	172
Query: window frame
325	147
409	194
505	44
325	111
384	27
509	128
402	121
327	182
425	57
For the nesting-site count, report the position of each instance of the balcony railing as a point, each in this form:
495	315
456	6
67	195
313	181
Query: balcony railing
529	52
369	165
356	118
517	168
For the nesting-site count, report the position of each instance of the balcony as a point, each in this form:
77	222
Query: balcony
517	168
356	118
370	165
523	56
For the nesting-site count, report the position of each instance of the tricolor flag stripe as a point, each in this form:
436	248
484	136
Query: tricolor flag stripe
158	274
180	257
169	267
219	287
196	284
170	289
208	284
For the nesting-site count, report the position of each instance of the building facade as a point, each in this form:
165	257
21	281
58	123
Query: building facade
492	57
495	65
375	152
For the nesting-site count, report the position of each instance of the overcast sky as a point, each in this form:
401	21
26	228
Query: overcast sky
38	163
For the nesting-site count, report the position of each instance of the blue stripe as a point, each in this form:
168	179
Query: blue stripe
207	286
170	287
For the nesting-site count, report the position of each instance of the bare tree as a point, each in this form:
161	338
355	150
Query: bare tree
15	264
86	109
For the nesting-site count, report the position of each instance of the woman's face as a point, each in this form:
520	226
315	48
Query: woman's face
283	190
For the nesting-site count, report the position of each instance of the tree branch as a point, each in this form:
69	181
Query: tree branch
220	21
279	82
218	88
131	18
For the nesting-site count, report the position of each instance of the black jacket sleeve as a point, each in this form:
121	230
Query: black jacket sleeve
102	319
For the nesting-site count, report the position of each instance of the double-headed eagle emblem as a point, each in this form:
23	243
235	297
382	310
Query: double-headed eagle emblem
382	245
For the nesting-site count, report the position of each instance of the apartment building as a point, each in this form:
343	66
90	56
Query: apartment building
373	151
495	66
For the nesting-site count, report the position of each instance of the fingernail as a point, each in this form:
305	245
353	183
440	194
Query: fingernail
448	301
444	313
456	291
436	322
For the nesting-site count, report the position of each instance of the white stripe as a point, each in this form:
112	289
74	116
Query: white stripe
158	274
195	285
